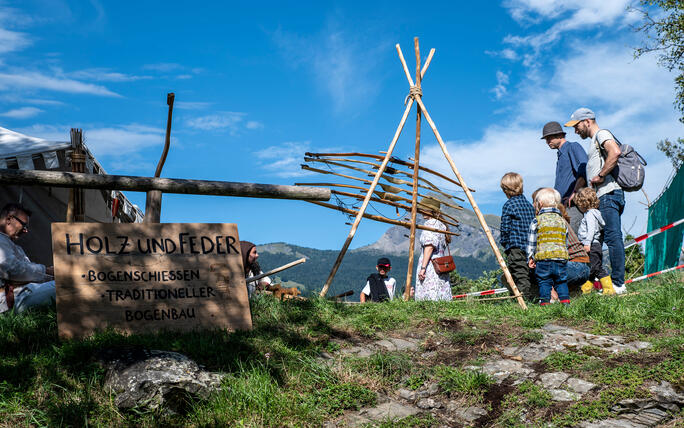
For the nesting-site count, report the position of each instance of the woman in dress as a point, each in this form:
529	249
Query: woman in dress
429	284
249	262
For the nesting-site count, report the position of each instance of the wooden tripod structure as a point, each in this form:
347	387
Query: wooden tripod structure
415	96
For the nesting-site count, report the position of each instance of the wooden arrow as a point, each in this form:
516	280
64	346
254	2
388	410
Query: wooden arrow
393	204
389	170
382	219
393	180
393	160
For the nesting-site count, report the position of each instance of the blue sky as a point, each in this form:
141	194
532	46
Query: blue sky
259	83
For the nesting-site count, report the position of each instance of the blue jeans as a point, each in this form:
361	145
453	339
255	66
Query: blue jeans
611	206
578	274
34	295
552	273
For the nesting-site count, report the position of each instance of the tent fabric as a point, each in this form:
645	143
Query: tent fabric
49	204
662	250
13	144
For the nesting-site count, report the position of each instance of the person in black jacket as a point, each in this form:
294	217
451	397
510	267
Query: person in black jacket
379	286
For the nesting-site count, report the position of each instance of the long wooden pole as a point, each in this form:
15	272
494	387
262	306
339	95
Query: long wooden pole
479	215
166	185
414	196
276	270
153	201
362	210
379	218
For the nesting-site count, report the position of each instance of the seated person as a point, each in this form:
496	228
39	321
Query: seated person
379	287
23	284
252	268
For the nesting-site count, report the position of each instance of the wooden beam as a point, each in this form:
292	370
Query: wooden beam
166	185
414	193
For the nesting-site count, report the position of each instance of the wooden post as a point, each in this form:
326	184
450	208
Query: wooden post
414	196
154	197
76	205
480	218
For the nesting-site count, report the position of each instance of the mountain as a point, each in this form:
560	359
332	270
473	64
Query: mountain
471	241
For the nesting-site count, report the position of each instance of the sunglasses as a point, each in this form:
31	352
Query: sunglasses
24	224
383	266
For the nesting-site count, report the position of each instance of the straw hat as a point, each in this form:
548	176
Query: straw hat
428	203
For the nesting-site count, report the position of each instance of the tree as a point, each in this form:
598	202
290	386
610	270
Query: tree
673	150
665	35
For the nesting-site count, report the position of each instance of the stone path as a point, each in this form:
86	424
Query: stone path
515	364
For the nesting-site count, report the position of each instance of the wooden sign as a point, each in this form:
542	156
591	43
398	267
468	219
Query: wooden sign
148	277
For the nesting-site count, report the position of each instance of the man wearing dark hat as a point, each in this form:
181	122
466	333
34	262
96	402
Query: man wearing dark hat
570	168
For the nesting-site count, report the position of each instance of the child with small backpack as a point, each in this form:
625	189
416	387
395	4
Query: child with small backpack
380	286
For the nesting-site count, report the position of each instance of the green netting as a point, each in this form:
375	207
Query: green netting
662	251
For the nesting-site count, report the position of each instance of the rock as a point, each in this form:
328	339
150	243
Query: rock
501	369
155	379
580	386
357	351
666	394
428	403
553	380
325	355
407	395
563	395
404	344
471	414
611	423
433	389
389	346
389	410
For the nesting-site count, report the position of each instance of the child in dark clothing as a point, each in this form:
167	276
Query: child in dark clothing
379	286
516	215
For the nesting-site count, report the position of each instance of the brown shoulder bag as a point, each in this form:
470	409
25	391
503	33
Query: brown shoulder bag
444	264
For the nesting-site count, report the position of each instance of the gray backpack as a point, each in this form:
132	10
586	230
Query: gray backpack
629	172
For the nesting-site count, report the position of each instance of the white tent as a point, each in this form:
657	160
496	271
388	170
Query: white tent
49	204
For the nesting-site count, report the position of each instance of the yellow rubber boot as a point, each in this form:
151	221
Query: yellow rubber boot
607	285
587	287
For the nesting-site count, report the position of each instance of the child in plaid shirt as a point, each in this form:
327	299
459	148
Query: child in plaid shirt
516	215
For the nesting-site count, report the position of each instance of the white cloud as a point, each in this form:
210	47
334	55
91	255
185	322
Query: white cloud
501	81
567	17
105	75
333	57
232	121
114	141
222	120
253	124
284	159
164	67
22	112
191	105
12	41
507	53
632	98
36	80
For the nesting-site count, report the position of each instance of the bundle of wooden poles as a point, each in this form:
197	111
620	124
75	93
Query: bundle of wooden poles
354	173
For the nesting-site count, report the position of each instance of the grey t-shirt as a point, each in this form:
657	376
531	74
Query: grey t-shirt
596	161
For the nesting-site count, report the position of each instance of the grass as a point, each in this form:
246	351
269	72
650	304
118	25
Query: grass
275	378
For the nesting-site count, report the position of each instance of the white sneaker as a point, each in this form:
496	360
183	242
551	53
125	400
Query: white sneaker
621	289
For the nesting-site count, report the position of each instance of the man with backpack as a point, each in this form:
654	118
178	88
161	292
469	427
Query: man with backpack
604	151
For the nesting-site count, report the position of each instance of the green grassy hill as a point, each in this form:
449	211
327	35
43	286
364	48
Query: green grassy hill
289	370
